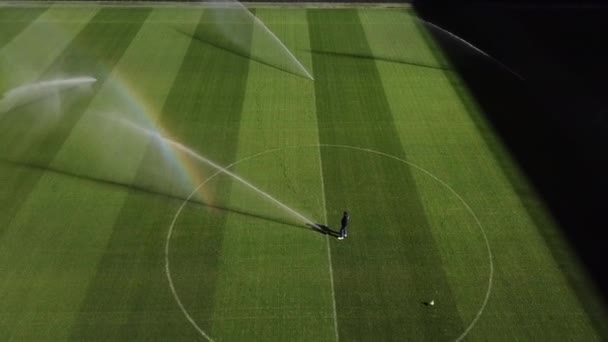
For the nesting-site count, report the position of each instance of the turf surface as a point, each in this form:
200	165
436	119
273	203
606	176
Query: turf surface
85	260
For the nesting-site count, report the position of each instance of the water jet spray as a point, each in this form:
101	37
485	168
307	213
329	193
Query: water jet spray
186	150
29	93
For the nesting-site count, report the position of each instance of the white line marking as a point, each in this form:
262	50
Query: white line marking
168	269
469	209
168	240
331	268
419	168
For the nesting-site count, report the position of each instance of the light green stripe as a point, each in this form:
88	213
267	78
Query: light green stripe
29	54
438	134
274	282
78	216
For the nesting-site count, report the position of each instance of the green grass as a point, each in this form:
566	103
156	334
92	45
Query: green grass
85	260
13	20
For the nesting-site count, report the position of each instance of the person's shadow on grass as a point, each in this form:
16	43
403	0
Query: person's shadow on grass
323	229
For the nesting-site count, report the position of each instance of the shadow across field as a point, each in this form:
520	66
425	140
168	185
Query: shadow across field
208	37
362	55
553	124
142	189
323	229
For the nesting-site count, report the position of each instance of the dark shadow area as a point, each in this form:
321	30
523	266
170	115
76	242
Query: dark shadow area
377	58
464	47
554	123
323	229
152	192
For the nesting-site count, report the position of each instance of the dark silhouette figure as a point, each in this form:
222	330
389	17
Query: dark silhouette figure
344	226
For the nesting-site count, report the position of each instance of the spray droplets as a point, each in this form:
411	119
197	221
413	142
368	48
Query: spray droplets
30	93
229	26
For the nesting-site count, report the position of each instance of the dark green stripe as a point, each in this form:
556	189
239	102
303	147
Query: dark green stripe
13	20
94	51
389	264
203	111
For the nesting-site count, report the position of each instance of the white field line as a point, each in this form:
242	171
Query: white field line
469	209
168	269
419	168
331	268
168	241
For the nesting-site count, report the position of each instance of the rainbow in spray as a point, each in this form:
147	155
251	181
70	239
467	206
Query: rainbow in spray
189	159
109	143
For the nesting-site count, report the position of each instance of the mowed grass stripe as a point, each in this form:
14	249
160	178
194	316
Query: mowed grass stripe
138	86
389	264
33	51
528	281
274	283
433	130
40	251
202	111
14	19
92	52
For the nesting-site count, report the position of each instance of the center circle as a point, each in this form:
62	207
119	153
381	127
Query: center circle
411	165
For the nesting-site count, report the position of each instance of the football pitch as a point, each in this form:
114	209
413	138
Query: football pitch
114	231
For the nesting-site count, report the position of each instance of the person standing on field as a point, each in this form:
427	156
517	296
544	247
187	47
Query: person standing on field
344	226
